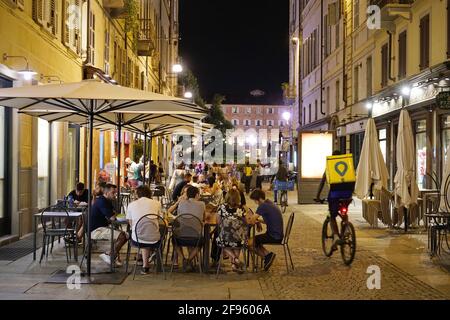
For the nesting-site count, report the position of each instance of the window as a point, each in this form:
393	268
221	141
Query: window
249	109
338	95
425	42
43	163
235	110
258	110
309	113
445	139
356	8
402	55
421	149
270	123
356	84
92	38
304	115
369	76
448	28
2	161
106	56
316	110
356	142
382	136
384	65
235	122
71	25
258	123
248	123
46	13
337	39
270	110
281	123
328	101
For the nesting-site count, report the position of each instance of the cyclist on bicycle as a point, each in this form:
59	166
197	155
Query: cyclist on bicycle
282	175
337	192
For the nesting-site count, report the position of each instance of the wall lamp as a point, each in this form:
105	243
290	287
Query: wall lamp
26	73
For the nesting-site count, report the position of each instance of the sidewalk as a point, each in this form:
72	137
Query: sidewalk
406	270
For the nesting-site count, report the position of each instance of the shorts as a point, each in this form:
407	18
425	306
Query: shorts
146	245
104	233
333	201
188	242
265	238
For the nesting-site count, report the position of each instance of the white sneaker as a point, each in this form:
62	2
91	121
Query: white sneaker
105	258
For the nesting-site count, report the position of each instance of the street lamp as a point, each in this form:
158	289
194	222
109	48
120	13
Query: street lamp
287	116
26	73
177	68
188	95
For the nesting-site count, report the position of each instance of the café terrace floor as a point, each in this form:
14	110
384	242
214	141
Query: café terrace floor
407	272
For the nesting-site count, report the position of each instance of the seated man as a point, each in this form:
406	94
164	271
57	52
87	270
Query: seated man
197	208
274	221
80	194
179	187
102	213
136	210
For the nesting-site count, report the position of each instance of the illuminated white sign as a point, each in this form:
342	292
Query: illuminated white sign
316	147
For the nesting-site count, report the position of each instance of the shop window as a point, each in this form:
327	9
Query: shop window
445	139
421	150
2	163
43	163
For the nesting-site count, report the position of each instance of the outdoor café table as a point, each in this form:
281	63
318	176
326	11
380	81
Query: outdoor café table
74	215
210	222
120	221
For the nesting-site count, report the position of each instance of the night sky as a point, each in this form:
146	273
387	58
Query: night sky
236	46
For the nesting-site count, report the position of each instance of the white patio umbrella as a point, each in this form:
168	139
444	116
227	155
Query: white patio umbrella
371	168
93	100
406	189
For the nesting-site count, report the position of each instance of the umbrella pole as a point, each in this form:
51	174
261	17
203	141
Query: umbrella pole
91	139
144	155
405	212
119	147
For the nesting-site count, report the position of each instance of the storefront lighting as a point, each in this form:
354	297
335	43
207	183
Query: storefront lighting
177	68
369	105
406	91
27	73
188	95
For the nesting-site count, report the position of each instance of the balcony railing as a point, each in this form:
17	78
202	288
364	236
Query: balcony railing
147	38
383	3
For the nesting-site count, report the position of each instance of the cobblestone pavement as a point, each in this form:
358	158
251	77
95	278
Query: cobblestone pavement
315	276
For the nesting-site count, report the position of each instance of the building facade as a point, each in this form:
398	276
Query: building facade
253	118
362	58
70	41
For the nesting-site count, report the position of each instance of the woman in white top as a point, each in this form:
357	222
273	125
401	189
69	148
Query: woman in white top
177	177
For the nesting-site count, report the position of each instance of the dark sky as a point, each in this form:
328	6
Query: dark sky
236	46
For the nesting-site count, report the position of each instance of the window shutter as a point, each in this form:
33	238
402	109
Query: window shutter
21	4
66	23
38	14
54	16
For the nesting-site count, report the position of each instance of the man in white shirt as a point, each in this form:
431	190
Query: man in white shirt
148	235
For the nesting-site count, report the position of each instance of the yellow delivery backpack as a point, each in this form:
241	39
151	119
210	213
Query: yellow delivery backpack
340	169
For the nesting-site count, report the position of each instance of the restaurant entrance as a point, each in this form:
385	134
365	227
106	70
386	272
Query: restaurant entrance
5	153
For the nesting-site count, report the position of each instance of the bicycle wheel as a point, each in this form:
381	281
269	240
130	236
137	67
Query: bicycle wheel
283	201
327	238
348	246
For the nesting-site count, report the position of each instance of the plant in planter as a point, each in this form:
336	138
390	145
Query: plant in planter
132	20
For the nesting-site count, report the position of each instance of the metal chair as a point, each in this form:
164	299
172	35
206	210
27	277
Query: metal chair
142	232
285	243
51	231
187	229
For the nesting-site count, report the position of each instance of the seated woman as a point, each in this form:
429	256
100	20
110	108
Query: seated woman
232	232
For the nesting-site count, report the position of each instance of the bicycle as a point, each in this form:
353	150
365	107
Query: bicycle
283	187
347	234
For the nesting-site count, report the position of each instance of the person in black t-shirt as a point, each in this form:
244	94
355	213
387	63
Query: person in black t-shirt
80	194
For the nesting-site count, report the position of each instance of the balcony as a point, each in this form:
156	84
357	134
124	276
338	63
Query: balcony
147	38
393	9
115	8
